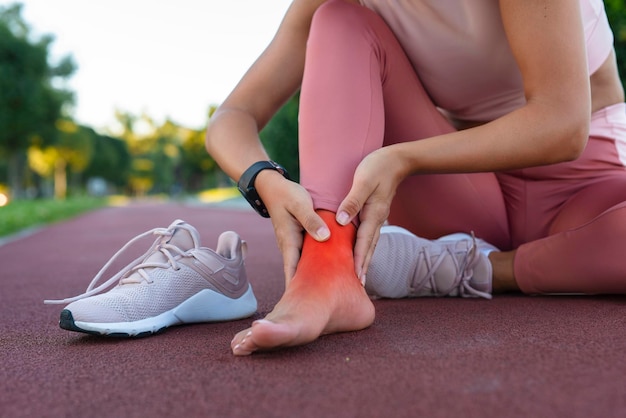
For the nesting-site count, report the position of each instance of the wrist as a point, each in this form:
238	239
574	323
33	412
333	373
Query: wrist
401	166
267	181
247	183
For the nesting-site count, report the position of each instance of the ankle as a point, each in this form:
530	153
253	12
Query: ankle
503	272
342	238
330	218
331	258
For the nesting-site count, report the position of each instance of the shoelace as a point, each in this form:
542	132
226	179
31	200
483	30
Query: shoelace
464	272
136	265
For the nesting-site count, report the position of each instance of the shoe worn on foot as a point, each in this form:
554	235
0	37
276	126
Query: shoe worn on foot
175	282
404	265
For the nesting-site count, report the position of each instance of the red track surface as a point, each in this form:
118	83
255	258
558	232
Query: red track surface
514	356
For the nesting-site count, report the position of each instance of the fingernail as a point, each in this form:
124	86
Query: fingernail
236	347
261	321
343	218
323	233
363	280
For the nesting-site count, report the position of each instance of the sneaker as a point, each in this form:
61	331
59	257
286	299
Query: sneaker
404	265
175	282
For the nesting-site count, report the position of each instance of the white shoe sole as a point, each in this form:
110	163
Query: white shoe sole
205	306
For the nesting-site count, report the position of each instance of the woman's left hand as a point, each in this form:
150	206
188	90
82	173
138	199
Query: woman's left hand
373	188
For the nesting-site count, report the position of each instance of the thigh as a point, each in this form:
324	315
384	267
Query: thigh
589	202
546	200
603	185
584	259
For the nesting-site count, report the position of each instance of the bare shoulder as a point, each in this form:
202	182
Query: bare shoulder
547	40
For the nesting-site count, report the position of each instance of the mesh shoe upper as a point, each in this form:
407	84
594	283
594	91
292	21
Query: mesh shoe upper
405	265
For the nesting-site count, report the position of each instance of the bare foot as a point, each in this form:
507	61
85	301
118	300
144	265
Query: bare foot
324	297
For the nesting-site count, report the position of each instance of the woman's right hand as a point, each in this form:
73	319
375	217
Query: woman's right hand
291	210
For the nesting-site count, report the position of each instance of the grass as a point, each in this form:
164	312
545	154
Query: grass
22	214
218	195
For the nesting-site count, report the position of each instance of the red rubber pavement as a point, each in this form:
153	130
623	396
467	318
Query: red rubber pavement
513	356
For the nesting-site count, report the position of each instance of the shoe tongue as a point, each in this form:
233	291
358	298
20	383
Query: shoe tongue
181	238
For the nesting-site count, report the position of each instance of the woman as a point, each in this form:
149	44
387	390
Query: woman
500	118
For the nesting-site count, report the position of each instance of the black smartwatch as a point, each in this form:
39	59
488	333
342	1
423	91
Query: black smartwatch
246	184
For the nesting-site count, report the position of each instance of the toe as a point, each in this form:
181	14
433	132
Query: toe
241	344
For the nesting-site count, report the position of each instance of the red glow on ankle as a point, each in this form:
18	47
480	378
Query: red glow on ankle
328	259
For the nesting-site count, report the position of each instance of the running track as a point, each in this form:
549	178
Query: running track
514	356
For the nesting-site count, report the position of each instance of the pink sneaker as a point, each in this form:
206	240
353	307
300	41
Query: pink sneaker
405	265
175	282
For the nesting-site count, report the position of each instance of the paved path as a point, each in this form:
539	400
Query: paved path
514	356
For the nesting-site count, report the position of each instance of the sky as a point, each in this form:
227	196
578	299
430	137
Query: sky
165	58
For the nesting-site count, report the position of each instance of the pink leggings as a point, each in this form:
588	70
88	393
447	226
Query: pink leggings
360	92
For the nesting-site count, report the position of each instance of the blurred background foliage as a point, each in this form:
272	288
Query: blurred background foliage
616	11
45	153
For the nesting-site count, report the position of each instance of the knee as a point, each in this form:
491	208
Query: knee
334	9
335	14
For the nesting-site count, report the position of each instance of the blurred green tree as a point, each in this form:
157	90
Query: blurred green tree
30	104
616	12
70	154
198	169
111	161
280	137
166	158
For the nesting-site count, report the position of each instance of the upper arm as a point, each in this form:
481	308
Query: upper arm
547	40
277	74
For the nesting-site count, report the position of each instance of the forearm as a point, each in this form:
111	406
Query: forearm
232	139
531	136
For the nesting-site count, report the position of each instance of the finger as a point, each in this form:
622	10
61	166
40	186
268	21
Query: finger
291	256
372	218
289	239
290	244
353	203
348	210
368	257
364	241
312	223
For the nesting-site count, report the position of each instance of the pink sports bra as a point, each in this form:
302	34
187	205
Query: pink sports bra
460	52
